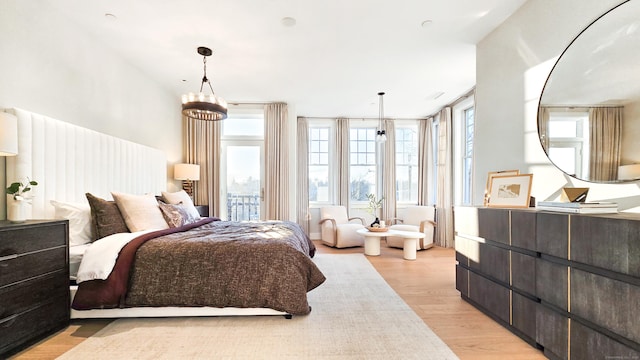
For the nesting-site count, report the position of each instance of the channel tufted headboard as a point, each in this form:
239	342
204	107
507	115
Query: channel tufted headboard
68	161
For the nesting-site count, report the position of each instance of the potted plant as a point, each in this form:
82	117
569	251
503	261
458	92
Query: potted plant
19	194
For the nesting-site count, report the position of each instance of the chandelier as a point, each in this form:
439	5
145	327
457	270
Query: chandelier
381	135
200	106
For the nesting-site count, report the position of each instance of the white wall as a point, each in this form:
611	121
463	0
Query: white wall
50	67
513	63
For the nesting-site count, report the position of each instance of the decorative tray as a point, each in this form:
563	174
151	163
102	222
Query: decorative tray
377	229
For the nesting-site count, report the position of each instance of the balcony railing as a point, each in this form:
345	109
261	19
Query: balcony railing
243	207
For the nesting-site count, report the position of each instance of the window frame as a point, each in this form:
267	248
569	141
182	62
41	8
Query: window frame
413	125
378	168
460	131
227	140
579	142
435	144
332	157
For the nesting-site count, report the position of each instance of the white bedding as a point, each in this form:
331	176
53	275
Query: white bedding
100	257
76	253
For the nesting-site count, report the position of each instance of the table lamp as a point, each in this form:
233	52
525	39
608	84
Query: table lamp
188	173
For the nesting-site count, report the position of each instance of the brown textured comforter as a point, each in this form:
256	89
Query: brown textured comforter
220	264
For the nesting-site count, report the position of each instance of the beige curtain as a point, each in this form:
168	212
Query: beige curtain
302	200
276	194
201	141
425	160
543	122
342	161
388	169
444	203
605	132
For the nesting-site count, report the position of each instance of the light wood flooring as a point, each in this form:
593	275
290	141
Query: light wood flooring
426	284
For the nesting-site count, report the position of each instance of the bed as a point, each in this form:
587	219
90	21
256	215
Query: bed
192	267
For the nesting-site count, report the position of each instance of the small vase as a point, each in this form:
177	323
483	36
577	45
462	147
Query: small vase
16	211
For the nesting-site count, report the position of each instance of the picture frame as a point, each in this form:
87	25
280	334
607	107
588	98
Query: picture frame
510	191
491	175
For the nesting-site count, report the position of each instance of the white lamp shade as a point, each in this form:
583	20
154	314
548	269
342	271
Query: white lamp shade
186	172
8	134
629	172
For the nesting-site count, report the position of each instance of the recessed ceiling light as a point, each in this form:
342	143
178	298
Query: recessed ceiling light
110	17
288	21
426	23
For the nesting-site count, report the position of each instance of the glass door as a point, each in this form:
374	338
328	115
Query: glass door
241	185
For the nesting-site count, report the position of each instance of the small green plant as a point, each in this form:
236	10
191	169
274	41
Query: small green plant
18	189
374	204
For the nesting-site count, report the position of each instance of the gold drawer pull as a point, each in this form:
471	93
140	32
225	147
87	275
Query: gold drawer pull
9	257
9	321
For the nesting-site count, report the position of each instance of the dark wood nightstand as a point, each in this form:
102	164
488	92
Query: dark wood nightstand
34	282
203	210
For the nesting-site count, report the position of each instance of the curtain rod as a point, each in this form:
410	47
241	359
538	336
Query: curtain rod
238	103
578	106
358	118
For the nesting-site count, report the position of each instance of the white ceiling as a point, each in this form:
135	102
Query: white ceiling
333	62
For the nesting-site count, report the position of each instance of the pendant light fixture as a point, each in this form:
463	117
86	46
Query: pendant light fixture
200	106
381	135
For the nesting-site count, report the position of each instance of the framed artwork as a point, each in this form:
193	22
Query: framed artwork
490	176
510	191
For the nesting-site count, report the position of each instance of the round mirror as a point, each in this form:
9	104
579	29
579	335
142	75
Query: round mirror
589	111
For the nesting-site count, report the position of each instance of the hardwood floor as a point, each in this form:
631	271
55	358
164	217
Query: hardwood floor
426	284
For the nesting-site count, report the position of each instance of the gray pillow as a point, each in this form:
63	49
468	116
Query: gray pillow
176	215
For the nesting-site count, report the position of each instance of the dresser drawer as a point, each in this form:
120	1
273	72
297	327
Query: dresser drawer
15	240
33	264
24	296
21	330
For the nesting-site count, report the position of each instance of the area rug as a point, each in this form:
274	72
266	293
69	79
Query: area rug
355	315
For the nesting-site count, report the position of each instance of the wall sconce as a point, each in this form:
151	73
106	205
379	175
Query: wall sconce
188	173
8	134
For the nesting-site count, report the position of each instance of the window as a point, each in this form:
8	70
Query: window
467	155
242	165
435	136
406	163
463	129
362	163
246	125
568	137
319	190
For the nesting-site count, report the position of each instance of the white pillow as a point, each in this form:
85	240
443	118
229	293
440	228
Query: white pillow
181	197
79	216
140	212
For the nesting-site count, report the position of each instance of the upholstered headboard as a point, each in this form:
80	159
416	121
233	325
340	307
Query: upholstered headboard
68	161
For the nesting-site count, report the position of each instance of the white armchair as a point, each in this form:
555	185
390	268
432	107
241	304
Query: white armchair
336	227
415	218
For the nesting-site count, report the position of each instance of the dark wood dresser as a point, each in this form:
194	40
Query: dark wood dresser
568	284
34	282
